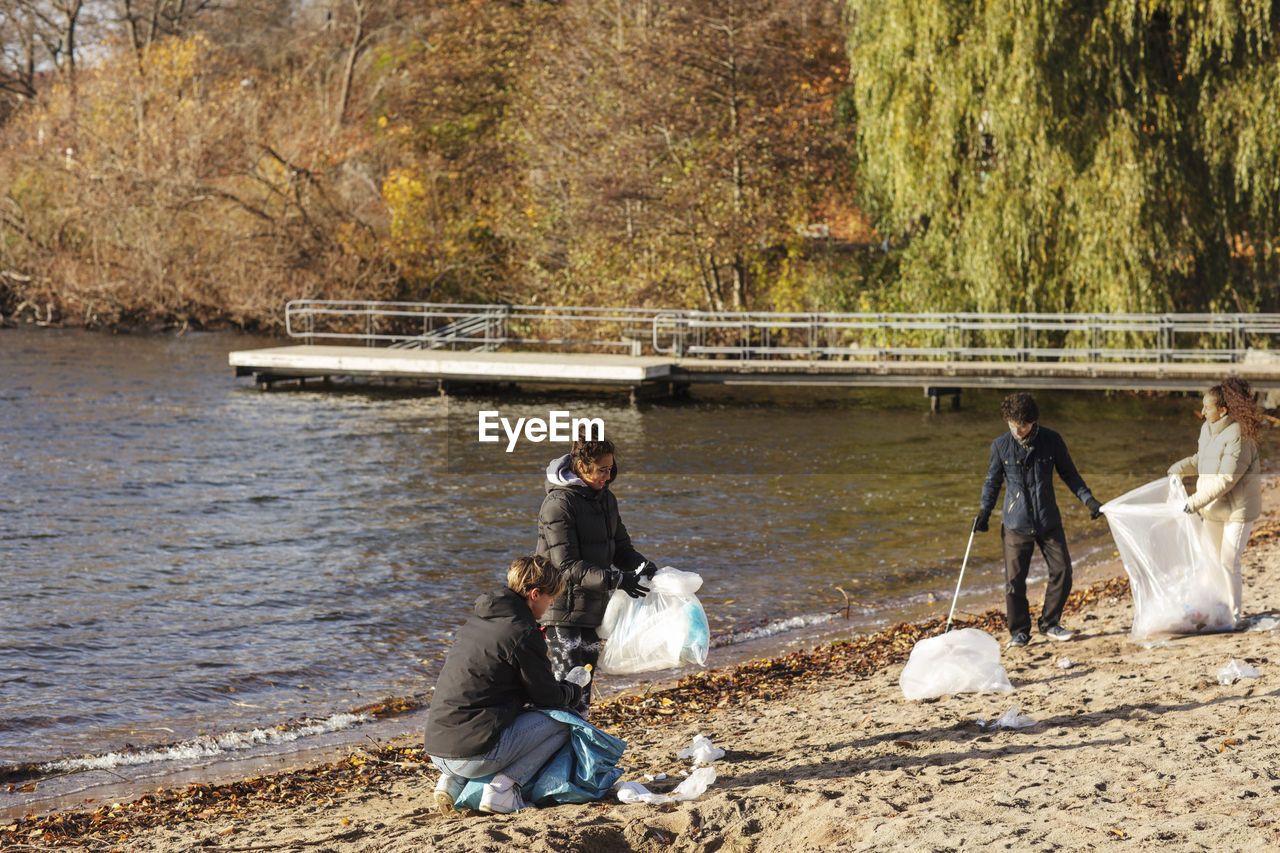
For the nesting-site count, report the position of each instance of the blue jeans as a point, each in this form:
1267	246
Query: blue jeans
521	750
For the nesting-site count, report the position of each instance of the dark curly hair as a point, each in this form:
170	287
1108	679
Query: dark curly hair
1020	408
1235	395
584	453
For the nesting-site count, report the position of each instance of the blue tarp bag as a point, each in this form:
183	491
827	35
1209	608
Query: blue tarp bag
582	771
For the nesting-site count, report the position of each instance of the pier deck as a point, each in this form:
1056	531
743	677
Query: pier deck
294	362
655	348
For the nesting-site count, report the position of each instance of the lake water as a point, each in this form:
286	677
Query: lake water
190	561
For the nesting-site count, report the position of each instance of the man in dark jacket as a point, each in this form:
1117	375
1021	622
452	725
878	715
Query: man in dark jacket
580	531
1025	459
478	723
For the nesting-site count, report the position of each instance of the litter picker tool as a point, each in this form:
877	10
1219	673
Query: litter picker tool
956	594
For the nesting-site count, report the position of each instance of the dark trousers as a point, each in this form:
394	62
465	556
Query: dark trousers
1018	548
570	646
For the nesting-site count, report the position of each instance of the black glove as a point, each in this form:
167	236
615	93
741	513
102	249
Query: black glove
647	569
980	521
1095	508
576	698
629	583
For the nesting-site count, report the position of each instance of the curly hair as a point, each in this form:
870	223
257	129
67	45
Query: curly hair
1020	408
1235	395
584	453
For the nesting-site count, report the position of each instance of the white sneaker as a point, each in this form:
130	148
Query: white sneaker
447	790
501	796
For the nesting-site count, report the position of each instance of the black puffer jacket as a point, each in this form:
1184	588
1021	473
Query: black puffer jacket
498	664
580	531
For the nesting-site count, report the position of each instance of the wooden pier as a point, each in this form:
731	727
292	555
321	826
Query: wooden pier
653	352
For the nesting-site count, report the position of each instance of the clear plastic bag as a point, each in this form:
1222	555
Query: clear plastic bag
664	629
1175	576
966	660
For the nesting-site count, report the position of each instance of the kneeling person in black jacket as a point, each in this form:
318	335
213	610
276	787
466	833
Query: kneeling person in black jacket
479	722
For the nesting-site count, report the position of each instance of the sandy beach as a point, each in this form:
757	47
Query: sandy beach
1134	747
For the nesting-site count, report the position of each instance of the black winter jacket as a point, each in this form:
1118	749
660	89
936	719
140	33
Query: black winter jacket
1030	507
580	531
498	664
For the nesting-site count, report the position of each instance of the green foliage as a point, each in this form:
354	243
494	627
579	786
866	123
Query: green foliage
1064	155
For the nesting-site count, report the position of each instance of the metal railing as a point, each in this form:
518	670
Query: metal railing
748	336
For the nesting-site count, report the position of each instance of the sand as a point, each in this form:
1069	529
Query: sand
1133	748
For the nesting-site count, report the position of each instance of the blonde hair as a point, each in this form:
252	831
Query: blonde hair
534	572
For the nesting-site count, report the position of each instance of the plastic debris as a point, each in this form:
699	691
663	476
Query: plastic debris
1234	671
701	752
1264	623
579	675
1011	720
1065	663
690	789
961	661
1158	644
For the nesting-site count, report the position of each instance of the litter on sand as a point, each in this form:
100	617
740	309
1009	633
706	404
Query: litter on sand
702	751
1065	663
690	789
1234	671
1264	623
1011	720
966	660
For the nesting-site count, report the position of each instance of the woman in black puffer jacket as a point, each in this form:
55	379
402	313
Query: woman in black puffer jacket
480	720
580	531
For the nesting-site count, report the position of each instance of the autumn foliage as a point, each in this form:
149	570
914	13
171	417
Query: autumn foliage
449	151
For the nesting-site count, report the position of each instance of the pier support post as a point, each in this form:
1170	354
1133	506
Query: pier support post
934	393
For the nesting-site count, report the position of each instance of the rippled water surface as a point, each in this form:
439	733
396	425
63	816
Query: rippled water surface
183	553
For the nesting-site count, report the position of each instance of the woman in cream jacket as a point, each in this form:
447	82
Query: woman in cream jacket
1228	493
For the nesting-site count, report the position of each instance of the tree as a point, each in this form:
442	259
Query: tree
176	187
673	150
1068	155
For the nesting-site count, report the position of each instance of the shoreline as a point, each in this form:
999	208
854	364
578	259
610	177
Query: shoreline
768	702
396	718
660	702
689	698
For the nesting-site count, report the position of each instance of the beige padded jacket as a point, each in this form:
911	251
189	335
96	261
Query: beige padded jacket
1226	467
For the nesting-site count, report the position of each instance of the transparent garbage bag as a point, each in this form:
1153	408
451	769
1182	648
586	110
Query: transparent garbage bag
1176	579
664	629
965	660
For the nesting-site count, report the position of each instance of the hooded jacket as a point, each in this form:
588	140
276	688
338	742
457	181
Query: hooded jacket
1030	507
580	531
497	664
1227	485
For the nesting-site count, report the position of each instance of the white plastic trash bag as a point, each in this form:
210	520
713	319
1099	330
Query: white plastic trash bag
966	660
1175	575
664	629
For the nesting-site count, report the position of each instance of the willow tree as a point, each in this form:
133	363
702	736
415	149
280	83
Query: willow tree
1067	155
